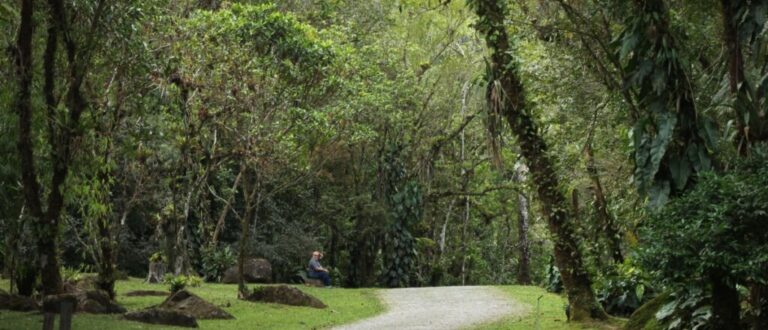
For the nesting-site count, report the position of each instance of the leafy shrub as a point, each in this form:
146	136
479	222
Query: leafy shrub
719	226
69	274
554	282
175	283
157	257
336	276
216	261
178	283
194	281
625	290
716	230
690	309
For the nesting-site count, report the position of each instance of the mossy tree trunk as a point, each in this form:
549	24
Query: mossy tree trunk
607	223
251	201
507	99
523	221
748	133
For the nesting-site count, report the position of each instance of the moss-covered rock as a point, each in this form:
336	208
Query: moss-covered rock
285	295
644	318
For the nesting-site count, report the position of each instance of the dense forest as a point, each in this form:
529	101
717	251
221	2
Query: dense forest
613	151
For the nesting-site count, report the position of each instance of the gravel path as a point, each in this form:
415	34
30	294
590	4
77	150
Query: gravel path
452	307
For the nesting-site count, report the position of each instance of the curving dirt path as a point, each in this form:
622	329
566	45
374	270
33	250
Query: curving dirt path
452	307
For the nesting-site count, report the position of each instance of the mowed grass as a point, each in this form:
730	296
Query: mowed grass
344	306
550	315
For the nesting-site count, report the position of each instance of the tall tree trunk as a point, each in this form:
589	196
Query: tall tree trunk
523	220
746	133
106	280
505	94
735	61
464	188
46	222
758	299
168	229
607	223
732	45
223	216
23	105
251	200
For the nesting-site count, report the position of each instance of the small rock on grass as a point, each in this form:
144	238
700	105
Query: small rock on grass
163	316
189	303
16	302
286	295
144	293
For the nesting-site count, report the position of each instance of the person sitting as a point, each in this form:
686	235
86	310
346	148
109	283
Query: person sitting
316	270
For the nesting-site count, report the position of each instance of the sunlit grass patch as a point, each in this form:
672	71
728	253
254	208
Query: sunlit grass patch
549	315
344	306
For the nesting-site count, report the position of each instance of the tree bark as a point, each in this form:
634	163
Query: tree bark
223	216
607	223
758	293
732	45
758	299
736	72
46	223
523	220
106	279
251	200
506	96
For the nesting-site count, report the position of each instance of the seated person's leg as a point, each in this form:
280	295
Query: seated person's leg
326	279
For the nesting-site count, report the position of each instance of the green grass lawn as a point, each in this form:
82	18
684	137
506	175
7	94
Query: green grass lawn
551	312
344	305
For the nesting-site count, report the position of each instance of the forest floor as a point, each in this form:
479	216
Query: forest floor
450	307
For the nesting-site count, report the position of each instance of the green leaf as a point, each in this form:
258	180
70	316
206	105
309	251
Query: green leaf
660	142
640	291
658	194
680	170
666	310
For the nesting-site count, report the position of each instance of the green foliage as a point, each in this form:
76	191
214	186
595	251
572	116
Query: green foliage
180	282
716	227
400	251
689	309
554	283
405	208
671	140
625	290
70	274
157	257
216	261
263	29
175	283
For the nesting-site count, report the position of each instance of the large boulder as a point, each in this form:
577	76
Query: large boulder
90	299
162	316
286	295
255	270
16	302
97	302
192	305
53	303
84	283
